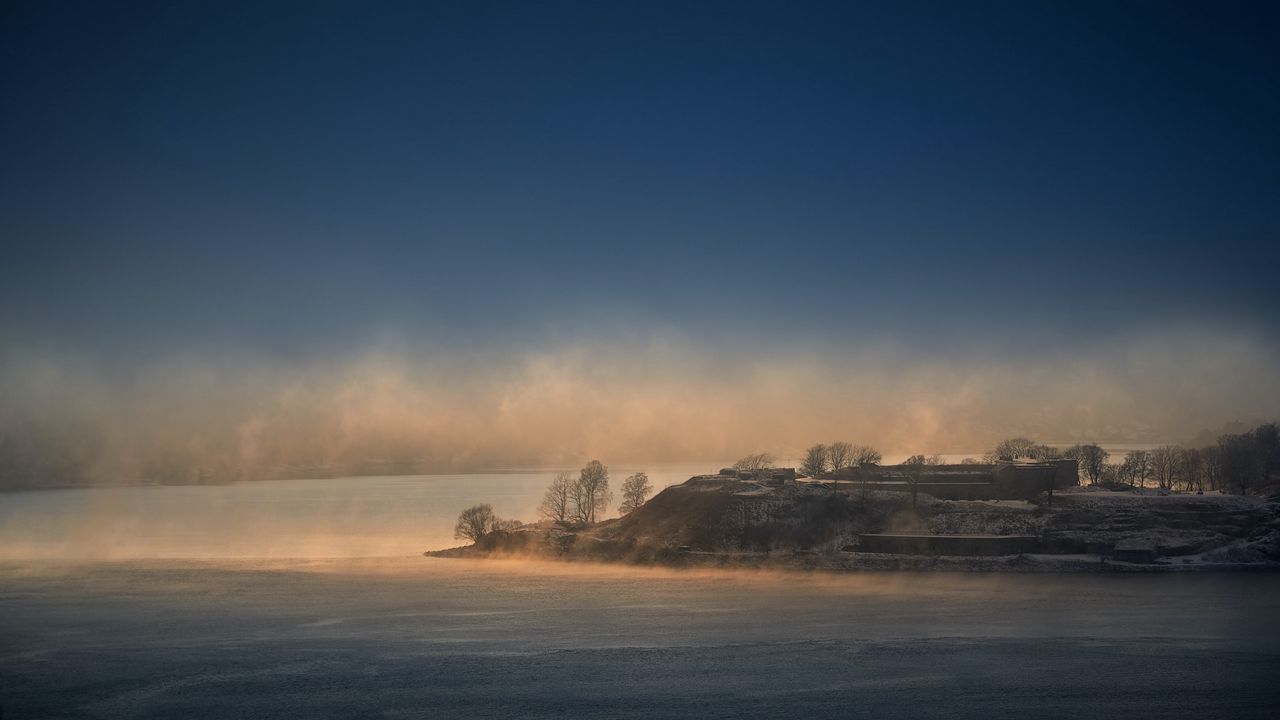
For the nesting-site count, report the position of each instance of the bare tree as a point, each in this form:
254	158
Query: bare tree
590	494
1092	460
1020	448
1044	452
1122	473
555	503
839	455
1165	464
815	461
923	460
635	490
912	470
1248	460
475	522
754	463
1137	466
865	455
1011	449
1193	469
1211	457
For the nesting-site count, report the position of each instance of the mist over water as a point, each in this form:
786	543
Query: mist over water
314	518
368	516
287	285
288	598
441	638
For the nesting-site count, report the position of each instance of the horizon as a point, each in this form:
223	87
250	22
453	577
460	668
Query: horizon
435	230
626	359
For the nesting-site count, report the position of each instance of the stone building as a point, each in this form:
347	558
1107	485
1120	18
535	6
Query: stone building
998	481
768	476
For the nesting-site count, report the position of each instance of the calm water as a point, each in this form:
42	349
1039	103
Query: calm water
338	517
415	637
300	631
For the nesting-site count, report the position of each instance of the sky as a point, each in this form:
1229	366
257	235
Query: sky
650	199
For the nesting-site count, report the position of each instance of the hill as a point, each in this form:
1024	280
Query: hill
729	521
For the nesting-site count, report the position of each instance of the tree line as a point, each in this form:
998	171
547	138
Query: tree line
578	499
1237	462
822	458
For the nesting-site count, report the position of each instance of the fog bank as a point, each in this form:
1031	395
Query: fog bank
180	418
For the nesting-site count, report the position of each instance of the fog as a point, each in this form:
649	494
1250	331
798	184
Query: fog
440	638
182	416
295	519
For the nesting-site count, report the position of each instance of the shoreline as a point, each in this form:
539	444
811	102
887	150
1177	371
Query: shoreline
856	562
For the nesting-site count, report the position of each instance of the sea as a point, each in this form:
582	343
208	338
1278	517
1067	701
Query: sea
311	599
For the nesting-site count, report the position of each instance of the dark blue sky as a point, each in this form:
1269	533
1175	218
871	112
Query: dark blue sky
314	176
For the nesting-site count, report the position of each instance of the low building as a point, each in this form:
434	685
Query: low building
997	481
768	476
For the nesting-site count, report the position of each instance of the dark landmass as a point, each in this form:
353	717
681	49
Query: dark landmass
730	522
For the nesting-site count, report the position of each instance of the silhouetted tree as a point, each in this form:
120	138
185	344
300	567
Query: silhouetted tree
1136	467
556	504
912	469
1011	449
1044	452
839	455
1193	469
815	461
590	495
1266	443
1091	458
752	464
1211	459
923	460
475	522
635	490
865	455
1242	466
1166	461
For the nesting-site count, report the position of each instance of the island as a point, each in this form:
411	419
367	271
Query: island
1024	515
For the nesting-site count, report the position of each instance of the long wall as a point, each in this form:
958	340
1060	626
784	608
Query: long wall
1001	481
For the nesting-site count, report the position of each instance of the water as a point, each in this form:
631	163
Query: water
417	637
265	606
338	517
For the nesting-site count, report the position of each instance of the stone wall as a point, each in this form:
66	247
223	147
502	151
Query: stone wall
948	544
1001	481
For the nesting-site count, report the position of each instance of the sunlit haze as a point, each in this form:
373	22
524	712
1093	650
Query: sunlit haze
439	231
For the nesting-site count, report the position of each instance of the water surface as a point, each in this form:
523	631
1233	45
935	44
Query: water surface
418	637
308	598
